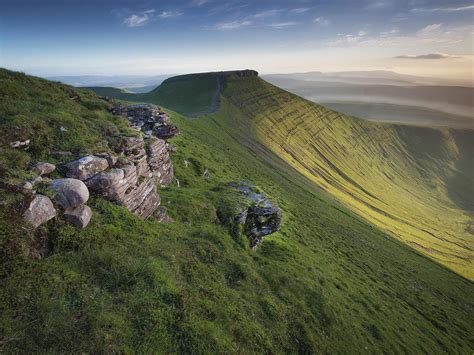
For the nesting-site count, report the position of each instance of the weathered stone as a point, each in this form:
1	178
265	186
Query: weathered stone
40	210
70	193
260	222
260	218
20	144
44	168
105	180
111	159
86	167
166	131
79	216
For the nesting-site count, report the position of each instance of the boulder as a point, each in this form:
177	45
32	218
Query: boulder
111	159
40	210
79	216
260	222
44	168
258	216
105	180
86	167
70	193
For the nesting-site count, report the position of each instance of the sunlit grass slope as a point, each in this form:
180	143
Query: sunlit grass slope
327	282
416	183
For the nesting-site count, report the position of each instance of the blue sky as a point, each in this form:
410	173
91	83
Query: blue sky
70	37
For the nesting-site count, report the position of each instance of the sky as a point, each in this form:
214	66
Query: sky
150	37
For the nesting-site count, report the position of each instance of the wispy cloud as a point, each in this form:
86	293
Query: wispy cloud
427	56
233	25
443	9
379	4
140	19
267	13
199	3
300	10
280	25
430	29
322	21
170	14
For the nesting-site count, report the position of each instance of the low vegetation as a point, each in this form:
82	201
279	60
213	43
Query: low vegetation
329	281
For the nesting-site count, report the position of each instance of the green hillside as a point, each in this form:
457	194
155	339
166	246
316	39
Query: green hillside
327	282
415	183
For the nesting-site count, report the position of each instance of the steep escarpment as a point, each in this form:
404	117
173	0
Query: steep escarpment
406	180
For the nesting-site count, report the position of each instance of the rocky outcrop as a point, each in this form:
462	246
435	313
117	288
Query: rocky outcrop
79	216
132	181
39	210
150	119
128	178
70	193
86	167
43	168
259	216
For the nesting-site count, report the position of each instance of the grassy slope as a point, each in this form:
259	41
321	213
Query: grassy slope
416	183
185	96
327	281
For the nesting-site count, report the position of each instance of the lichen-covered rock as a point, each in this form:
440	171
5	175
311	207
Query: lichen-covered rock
86	167
70	193
43	168
39	210
159	161
165	131
79	216
258	216
260	222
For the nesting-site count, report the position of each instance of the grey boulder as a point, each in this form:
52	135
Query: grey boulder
70	193
44	168
79	216
86	167
39	211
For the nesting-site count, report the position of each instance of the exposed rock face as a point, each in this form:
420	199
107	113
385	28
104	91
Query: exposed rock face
159	161
260	218
70	193
44	168
260	222
40	210
79	216
132	181
86	167
148	118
